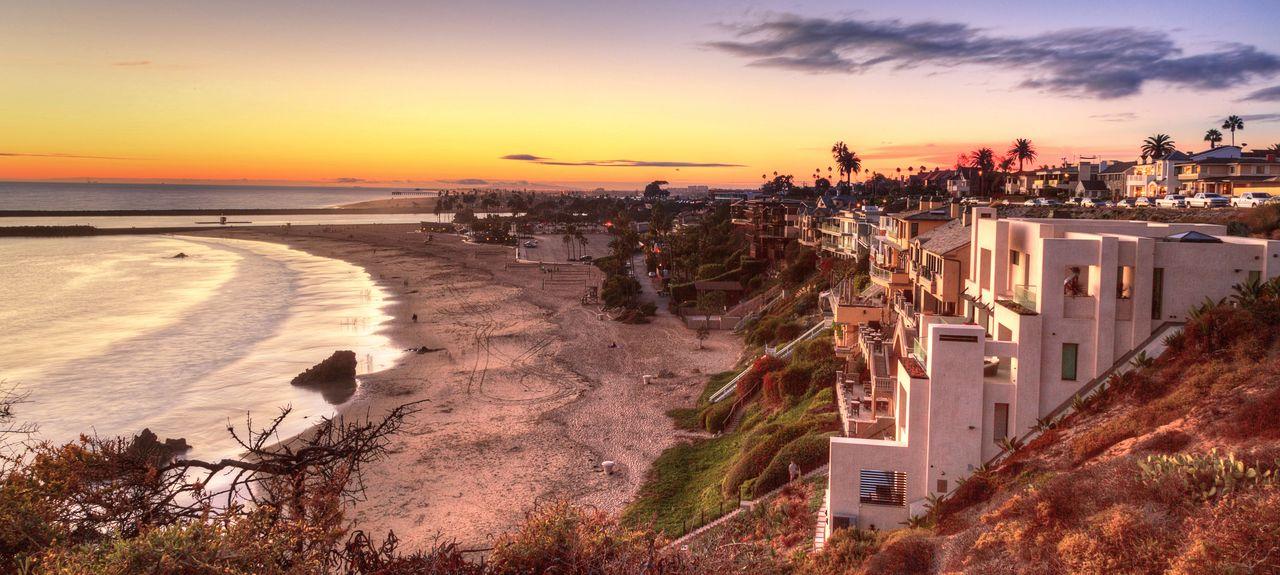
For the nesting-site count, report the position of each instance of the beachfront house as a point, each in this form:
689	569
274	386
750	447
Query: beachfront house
1048	307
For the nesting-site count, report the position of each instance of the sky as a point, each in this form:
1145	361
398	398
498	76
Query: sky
558	94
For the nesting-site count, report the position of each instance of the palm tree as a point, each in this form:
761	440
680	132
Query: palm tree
1213	137
1158	146
848	161
1274	148
1233	123
1023	151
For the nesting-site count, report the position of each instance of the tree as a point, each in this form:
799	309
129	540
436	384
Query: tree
1023	151
704	332
1233	123
1158	146
654	190
848	161
1274	148
1213	137
984	161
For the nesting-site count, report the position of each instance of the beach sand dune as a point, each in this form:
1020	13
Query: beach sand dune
525	397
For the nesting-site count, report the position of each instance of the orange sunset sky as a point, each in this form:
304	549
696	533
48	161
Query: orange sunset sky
612	94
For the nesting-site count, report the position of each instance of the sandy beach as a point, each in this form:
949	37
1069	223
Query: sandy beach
525	396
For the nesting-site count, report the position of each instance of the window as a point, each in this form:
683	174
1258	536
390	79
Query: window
883	487
1070	352
1000	425
1157	293
1255	276
942	486
1013	257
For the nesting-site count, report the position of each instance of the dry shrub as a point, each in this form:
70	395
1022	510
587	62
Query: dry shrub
1167	441
1255	419
844	552
1240	534
977	488
755	457
904	553
1124	538
566	540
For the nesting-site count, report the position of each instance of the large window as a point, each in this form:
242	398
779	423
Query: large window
1157	293
883	487
1070	352
1000	425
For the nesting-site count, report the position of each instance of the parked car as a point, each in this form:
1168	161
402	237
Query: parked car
1172	201
1094	203
1042	202
531	244
1127	203
1143	202
1206	200
1252	199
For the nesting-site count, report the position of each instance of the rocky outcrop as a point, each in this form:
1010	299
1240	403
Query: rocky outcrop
147	445
337	372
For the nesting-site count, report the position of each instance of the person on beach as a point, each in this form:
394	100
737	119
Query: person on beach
415	318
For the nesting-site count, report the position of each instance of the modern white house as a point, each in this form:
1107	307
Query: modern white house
1050	306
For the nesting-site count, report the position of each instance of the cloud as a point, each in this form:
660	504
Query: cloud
1098	62
468	182
1115	117
1271	94
130	63
1260	118
68	156
618	163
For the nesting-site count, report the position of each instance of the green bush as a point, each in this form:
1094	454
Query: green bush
756	457
648	309
708	271
785	332
809	452
794	380
715	416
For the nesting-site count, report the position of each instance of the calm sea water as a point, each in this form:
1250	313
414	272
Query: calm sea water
85	196
111	334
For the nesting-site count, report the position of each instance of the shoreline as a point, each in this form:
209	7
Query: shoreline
525	397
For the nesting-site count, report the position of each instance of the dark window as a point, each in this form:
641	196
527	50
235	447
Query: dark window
942	486
1255	276
1013	257
883	487
1000	426
1157	293
1070	351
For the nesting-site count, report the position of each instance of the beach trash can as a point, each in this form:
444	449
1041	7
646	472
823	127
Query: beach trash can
647	379
608	467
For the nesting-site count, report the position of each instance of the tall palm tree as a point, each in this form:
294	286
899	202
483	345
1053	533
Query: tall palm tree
1274	148
1023	151
1158	146
1233	123
984	161
847	160
1213	137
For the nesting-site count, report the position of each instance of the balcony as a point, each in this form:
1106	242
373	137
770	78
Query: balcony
1026	296
888	278
1079	306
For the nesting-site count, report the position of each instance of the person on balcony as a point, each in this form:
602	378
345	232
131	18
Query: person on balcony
1071	286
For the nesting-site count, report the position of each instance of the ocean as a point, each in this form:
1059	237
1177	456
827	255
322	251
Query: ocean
98	196
111	334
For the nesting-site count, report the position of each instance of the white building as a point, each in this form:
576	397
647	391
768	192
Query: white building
1051	306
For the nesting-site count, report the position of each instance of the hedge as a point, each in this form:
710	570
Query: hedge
715	416
756	457
809	452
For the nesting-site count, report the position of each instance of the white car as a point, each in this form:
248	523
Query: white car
1094	203
1172	201
1143	202
1252	199
1042	202
1206	200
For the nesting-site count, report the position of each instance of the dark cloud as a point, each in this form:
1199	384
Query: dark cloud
71	156
351	181
1260	118
1098	62
128	63
618	163
1271	94
1115	117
